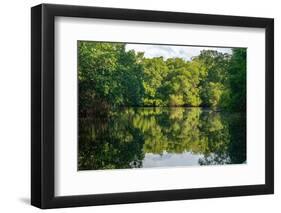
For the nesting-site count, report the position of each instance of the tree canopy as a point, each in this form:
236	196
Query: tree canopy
111	76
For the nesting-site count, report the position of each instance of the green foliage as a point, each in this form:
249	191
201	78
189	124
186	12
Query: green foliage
114	136
237	80
180	86
212	93
155	70
214	76
109	76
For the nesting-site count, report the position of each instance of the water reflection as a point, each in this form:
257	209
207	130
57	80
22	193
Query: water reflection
161	137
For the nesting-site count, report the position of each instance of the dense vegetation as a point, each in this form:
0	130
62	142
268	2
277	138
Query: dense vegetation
122	113
110	76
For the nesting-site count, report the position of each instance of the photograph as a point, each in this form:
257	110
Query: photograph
160	105
134	105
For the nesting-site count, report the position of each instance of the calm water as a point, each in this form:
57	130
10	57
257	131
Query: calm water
161	137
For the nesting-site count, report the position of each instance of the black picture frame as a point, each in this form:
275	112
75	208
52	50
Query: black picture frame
43	102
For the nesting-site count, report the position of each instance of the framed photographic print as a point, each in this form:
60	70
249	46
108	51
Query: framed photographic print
139	106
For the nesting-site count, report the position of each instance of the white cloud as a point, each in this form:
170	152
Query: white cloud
169	51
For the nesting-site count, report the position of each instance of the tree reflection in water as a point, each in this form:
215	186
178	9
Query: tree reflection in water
131	137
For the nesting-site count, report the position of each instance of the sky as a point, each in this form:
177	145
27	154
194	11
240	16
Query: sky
169	51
